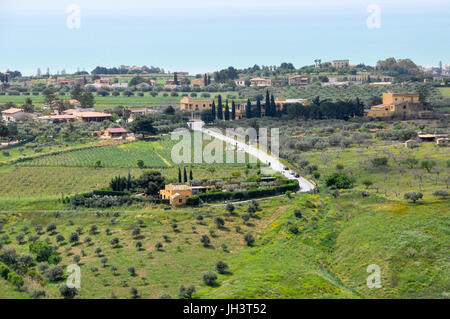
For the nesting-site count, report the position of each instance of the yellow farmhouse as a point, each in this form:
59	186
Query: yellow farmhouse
395	104
187	104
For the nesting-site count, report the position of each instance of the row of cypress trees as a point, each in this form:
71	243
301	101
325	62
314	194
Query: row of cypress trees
185	179
223	111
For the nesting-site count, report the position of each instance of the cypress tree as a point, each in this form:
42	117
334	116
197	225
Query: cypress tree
213	111
258	108
129	181
191	177
248	109
179	175
273	107
233	111
205	80
268	106
219	108
227	111
185	175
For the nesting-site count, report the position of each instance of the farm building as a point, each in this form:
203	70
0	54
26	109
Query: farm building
260	82
57	118
11	114
299	80
395	104
200	82
115	132
188	103
177	193
15	115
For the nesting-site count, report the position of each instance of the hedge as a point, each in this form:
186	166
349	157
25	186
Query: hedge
105	192
243	195
4	270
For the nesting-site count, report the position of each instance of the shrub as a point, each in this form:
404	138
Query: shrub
427	165
37	293
59	238
441	193
205	240
293	230
15	279
136	231
134	292
132	271
186	292
367	183
74	238
209	278
51	228
413	196
230	208
221	267
42	250
298	213
249	239
115	242
219	222
380	161
68	292
54	273
245	217
339	180
4	270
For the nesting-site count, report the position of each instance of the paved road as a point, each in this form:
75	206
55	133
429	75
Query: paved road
275	164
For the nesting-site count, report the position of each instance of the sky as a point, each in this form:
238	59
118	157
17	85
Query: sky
207	35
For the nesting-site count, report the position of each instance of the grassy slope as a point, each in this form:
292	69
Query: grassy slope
330	256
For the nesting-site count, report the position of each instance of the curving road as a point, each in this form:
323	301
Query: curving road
275	164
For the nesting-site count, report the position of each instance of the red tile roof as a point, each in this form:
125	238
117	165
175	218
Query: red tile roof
116	130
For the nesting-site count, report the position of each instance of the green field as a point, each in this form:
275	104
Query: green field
109	102
445	91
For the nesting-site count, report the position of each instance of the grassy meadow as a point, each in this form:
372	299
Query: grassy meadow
110	102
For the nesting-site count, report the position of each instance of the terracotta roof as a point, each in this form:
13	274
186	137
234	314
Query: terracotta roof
12	110
91	114
57	117
175	195
258	79
116	130
178	187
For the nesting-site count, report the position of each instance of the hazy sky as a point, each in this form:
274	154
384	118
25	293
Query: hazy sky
206	35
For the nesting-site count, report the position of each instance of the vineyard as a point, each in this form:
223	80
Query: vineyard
155	154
